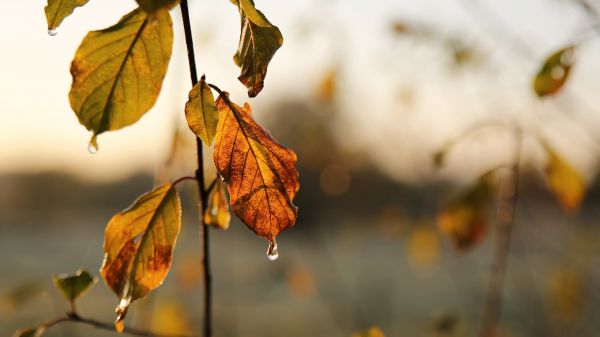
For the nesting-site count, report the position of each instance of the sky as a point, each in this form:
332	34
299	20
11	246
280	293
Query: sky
38	130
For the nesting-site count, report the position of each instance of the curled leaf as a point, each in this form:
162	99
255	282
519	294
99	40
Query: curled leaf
260	173
217	211
138	246
201	112
554	72
152	6
465	219
118	72
371	332
73	286
57	10
259	40
564	181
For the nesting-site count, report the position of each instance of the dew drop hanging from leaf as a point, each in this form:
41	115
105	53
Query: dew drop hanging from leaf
272	252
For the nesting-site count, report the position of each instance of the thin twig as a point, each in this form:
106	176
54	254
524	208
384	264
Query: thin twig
183	179
504	223
185	14
75	318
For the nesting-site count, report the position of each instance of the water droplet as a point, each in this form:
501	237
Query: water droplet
92	149
272	252
214	211
121	311
52	32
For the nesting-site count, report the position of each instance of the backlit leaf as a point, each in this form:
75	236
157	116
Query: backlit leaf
201	112
259	40
260	173
465	219
564	181
138	246
152	6
72	286
58	10
554	72
118	72
217	212
372	332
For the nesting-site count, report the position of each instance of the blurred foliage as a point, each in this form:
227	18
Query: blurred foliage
371	332
564	181
554	72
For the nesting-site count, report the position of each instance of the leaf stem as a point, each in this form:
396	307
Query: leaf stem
202	192
75	318
504	223
181	179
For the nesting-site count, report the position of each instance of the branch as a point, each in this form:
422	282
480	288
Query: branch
504	223
75	318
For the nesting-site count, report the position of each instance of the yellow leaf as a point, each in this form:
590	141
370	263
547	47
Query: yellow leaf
170	319
138	246
152	6
423	247
564	181
57	10
259	40
465	219
372	332
201	112
217	211
554	72
118	72
260	173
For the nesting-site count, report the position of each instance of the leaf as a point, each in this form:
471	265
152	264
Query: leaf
564	181
554	72
371	332
217	212
201	112
118	72
73	286
152	6
58	10
30	332
259	40
138	246
465	219
260	173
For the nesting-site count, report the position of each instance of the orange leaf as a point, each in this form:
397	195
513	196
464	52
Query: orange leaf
217	211
138	246
260	173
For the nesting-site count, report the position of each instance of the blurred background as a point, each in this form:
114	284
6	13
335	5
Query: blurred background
371	95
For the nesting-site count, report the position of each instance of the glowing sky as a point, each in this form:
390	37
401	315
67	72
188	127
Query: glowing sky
38	130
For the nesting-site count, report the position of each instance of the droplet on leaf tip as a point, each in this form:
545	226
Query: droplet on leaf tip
119	326
272	252
52	32
93	145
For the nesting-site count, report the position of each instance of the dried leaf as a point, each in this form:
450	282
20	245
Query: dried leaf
372	332
201	112
554	72
118	72
73	286
259	40
564	181
260	173
152	6
465	219
58	10
138	245
217	211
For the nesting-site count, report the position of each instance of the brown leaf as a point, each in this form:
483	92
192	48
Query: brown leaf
465	219
138	246
260	173
259	40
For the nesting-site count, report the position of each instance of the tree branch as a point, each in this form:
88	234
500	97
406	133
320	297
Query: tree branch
202	192
75	318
